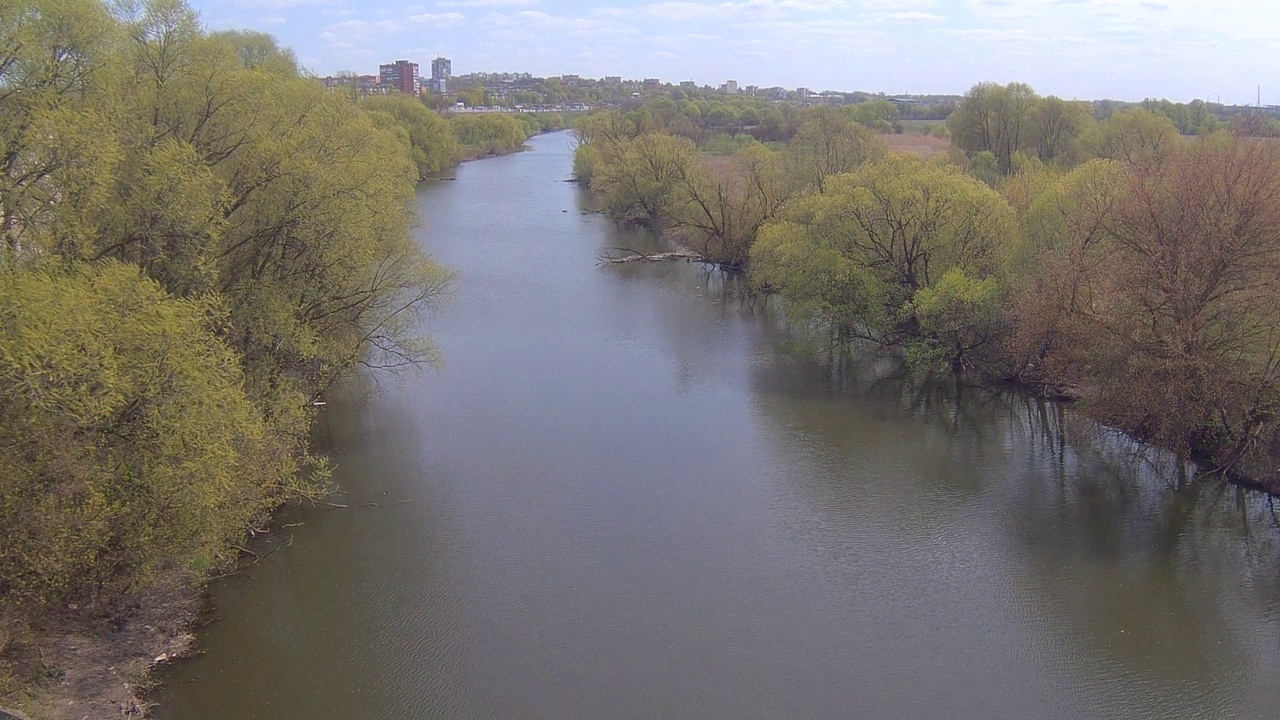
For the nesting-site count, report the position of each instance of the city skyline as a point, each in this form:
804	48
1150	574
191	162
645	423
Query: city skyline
1088	49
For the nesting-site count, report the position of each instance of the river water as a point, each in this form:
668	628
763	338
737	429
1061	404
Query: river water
624	496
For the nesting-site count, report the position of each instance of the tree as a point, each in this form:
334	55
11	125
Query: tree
995	119
56	144
722	117
830	142
1133	136
641	183
127	444
259	51
1172	319
723	208
879	116
856	257
432	144
1056	127
196	242
489	133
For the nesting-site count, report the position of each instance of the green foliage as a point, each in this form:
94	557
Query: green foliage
1133	136
432	144
830	142
1193	118
644	181
259	51
879	116
857	257
127	443
996	119
1056	127
490	133
586	161
197	241
958	317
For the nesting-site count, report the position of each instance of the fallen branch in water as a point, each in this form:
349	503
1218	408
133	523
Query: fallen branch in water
620	255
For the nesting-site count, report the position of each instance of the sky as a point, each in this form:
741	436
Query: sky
1219	50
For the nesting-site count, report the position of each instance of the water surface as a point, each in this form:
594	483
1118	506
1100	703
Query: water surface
626	497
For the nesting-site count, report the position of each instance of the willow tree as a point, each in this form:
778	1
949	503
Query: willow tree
1133	136
899	252
1171	316
489	133
57	139
432	144
197	240
831	141
725	205
287	201
128	447
995	119
1056	127
640	183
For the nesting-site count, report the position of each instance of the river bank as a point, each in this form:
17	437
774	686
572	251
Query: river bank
71	666
624	492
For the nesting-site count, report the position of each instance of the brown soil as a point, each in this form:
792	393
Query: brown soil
76	666
924	146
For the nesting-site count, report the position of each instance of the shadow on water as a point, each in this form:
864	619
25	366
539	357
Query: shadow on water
1166	574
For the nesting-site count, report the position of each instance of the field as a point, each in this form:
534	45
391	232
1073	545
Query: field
924	146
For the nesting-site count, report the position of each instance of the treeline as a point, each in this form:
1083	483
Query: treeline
701	119
195	240
1118	261
436	143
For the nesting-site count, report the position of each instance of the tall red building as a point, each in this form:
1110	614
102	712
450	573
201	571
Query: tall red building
401	75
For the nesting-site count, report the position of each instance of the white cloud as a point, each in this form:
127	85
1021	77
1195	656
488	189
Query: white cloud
348	30
448	19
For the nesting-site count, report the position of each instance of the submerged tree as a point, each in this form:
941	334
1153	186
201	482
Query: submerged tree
1170	315
859	257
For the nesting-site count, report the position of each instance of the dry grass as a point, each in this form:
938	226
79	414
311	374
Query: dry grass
923	146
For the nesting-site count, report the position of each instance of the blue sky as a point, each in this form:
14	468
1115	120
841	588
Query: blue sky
1124	49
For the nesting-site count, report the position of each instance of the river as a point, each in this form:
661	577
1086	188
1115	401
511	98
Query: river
624	496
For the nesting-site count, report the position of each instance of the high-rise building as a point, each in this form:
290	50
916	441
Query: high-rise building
441	71
730	87
401	75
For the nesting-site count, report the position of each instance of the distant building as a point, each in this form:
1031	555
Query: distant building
441	71
652	83
777	93
362	84
613	79
803	93
401	75
688	85
752	89
730	87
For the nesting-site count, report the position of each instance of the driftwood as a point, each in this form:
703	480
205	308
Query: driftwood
620	255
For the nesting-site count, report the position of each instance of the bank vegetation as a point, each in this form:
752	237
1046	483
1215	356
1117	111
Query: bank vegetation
1127	259
195	241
